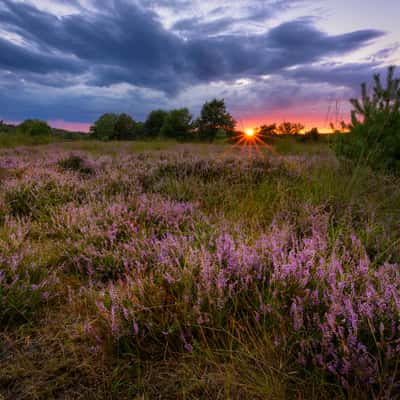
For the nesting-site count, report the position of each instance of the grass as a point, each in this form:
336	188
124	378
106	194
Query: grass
116	147
15	140
129	271
289	145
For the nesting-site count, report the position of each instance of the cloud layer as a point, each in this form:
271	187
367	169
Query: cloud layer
122	54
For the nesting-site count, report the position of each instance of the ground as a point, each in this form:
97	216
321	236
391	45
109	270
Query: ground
163	270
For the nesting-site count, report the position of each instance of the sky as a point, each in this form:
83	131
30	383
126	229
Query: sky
69	61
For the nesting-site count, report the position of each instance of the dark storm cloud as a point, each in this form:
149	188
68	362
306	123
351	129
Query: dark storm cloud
213	23
197	26
18	58
125	42
347	75
129	44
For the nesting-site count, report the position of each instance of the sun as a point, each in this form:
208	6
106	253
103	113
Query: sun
249	132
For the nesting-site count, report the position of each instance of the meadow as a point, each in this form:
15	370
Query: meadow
158	270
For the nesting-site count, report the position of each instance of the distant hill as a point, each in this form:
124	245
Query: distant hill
59	133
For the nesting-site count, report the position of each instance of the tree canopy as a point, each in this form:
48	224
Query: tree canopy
154	122
178	124
290	128
213	118
112	126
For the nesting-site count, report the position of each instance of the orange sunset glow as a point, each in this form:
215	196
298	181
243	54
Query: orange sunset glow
249	132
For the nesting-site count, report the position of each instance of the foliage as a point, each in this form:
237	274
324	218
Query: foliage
104	127
139	131
32	132
267	130
124	127
290	128
69	135
34	127
374	136
213	118
178	125
116	127
155	122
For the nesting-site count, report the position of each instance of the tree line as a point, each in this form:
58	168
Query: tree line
214	121
179	124
288	129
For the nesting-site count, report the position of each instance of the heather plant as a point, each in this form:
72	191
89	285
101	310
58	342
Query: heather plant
24	289
341	310
77	163
32	198
252	276
25	286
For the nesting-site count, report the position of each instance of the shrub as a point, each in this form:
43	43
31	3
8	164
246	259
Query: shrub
34	127
35	198
22	290
374	136
78	164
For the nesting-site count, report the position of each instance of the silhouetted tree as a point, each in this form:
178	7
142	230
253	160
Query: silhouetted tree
341	127
267	130
289	128
312	134
213	118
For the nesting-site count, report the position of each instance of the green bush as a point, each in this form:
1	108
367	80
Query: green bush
34	127
374	137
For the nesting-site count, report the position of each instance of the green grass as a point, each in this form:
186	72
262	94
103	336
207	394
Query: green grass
289	145
115	147
12	140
